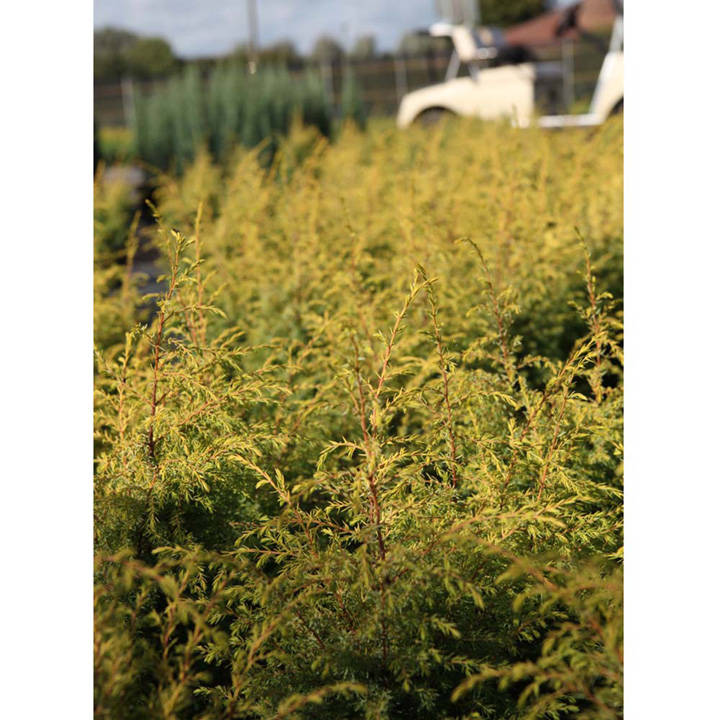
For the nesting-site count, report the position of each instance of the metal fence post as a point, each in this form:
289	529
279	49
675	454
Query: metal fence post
400	77
128	102
568	61
326	73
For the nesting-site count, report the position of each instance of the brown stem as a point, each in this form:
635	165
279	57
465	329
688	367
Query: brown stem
553	443
156	365
375	510
443	370
502	331
595	326
393	335
357	285
531	422
202	322
309	629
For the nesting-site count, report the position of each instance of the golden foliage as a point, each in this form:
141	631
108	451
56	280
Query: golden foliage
376	423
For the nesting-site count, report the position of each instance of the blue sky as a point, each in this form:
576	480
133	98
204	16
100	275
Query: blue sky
212	27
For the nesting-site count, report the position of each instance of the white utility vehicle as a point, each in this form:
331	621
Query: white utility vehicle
515	91
609	90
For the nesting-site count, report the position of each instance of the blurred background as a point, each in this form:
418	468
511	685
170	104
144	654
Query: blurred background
169	74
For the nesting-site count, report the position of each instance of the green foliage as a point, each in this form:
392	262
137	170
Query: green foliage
414	43
364	48
279	54
327	49
509	12
116	304
352	105
112	213
119	53
150	57
364	458
173	122
110	49
114	144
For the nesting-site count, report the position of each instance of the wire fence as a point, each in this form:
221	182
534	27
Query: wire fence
382	82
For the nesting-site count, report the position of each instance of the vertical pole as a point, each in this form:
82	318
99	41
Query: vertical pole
128	102
568	61
326	73
572	72
252	35
400	77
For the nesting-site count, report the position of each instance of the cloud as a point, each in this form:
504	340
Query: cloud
212	27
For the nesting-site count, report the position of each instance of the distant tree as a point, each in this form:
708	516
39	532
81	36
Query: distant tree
119	53
503	13
364	48
414	43
282	52
150	57
327	49
111	46
240	53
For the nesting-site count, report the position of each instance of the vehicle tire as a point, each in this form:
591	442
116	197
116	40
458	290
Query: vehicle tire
618	108
432	116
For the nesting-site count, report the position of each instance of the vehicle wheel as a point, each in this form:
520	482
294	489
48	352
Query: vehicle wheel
432	116
618	109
